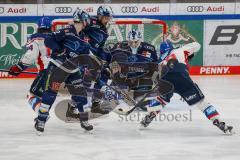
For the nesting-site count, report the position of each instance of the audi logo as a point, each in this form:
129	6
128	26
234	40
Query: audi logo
195	9
1	10
63	10
129	9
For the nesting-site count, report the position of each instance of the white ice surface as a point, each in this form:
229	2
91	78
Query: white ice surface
115	139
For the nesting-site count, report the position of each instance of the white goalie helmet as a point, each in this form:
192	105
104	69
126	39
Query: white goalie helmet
134	35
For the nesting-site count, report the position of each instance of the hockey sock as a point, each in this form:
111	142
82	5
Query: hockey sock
209	110
35	102
43	112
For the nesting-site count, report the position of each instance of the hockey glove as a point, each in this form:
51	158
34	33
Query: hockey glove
16	69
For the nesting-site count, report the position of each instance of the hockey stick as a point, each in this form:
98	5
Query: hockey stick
117	90
25	72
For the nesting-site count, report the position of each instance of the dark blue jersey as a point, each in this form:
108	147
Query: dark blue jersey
38	35
144	53
68	41
97	36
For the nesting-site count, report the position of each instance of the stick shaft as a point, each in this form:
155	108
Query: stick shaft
26	72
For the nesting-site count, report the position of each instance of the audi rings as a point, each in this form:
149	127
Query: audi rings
195	9
129	9
1	10
63	10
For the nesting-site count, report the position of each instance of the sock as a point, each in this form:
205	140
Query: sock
209	110
34	102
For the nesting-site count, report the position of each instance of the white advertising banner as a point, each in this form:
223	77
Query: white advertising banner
121	9
118	9
237	9
221	43
66	9
18	10
201	8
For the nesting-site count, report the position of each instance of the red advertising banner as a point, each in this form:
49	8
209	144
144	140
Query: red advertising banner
194	70
214	70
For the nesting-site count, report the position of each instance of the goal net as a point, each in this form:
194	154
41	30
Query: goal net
153	31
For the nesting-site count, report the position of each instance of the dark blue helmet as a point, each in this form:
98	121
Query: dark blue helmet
44	23
166	47
81	16
105	11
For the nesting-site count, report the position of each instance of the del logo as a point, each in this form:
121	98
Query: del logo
214	70
215	9
17	10
147	9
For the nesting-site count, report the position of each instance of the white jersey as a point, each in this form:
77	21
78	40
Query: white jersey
182	54
37	53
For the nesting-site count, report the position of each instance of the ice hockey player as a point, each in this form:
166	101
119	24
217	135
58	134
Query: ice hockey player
97	35
138	50
177	62
39	54
141	58
65	44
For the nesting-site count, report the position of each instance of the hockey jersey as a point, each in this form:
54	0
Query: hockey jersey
36	52
180	57
144	53
97	36
68	43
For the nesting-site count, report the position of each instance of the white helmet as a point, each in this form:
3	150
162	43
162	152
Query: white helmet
134	35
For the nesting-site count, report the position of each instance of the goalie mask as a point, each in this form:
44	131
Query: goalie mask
134	39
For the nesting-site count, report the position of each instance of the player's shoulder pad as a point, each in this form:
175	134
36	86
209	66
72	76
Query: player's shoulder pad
69	30
35	37
147	46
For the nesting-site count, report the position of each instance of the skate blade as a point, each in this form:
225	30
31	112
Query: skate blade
38	133
72	120
142	127
88	132
230	133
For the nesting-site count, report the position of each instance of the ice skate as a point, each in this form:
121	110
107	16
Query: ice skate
72	112
84	121
85	125
39	126
40	121
148	119
97	109
223	127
